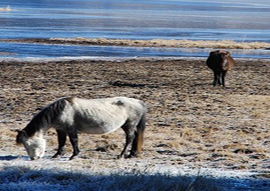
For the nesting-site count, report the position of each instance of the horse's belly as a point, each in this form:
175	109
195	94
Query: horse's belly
99	126
97	130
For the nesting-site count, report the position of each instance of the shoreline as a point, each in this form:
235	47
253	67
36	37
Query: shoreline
112	59
161	43
29	49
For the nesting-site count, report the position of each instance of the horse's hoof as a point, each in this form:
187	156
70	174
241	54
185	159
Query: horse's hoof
57	155
122	156
119	156
73	157
132	156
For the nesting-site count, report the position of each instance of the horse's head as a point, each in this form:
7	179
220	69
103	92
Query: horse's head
35	146
220	54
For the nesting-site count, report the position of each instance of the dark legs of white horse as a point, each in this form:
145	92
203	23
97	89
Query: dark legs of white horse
134	136
62	137
73	137
130	135
134	148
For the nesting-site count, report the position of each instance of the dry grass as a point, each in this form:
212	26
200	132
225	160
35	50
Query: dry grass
222	44
189	122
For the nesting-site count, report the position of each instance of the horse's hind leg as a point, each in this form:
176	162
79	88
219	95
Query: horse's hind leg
62	137
73	137
130	135
138	140
135	147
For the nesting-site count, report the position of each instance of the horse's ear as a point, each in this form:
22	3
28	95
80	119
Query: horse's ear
228	53
212	53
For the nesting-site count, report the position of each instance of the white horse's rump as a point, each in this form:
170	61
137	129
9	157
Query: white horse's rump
97	116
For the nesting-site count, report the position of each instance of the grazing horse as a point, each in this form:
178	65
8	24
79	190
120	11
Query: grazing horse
220	61
96	116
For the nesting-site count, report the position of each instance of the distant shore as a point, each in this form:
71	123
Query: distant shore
5	9
224	44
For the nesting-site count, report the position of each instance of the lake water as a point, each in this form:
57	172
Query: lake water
238	20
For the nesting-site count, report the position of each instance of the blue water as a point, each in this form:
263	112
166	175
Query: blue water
49	51
239	20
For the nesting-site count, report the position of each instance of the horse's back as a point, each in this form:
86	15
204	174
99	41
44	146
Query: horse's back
115	103
129	102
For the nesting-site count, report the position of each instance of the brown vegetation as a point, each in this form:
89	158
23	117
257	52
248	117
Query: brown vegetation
189	123
222	44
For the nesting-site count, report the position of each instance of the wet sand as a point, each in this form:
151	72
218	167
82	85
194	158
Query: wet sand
190	123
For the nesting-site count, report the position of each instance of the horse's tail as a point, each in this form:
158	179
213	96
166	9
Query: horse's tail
138	140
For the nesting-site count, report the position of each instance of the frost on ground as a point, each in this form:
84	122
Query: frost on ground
19	173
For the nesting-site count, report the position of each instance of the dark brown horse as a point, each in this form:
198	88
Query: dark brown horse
220	61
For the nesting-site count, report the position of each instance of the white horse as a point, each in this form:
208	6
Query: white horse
96	116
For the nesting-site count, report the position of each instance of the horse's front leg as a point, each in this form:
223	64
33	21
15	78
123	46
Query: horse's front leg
223	78
215	79
62	137
73	137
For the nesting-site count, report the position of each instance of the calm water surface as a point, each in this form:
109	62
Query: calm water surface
239	20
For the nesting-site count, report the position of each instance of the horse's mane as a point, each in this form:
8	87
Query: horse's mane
46	117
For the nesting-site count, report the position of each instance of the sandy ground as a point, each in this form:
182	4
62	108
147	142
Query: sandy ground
191	125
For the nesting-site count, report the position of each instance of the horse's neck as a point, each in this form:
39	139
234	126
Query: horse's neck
36	132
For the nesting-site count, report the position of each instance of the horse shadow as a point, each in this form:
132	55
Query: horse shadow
9	158
28	178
